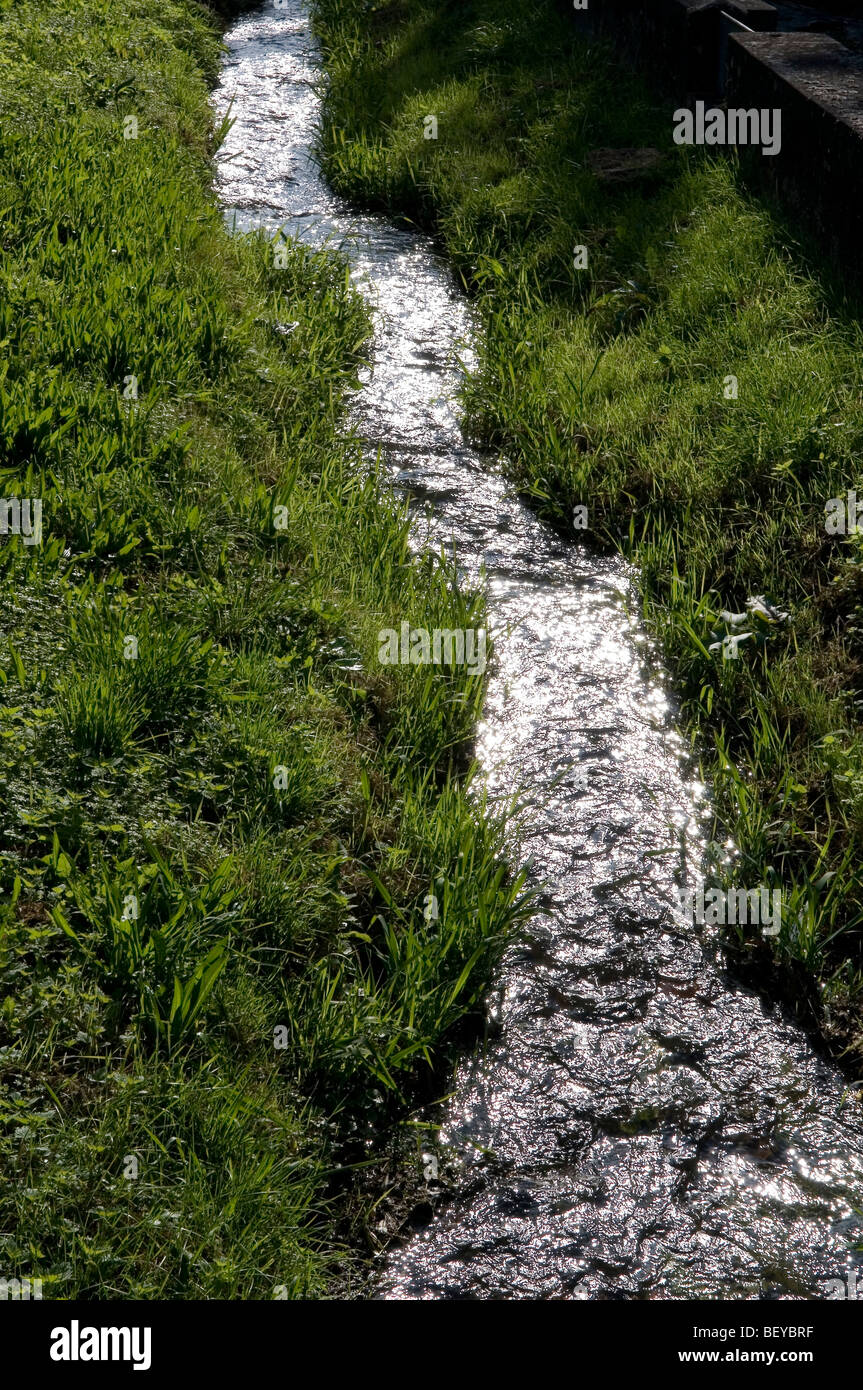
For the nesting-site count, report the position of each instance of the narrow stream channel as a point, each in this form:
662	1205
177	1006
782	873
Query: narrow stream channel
640	1126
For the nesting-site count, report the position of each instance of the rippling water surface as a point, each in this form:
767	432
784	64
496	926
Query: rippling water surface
640	1126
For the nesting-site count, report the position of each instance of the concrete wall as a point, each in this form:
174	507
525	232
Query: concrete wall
815	82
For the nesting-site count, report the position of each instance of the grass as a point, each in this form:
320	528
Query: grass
221	993
696	387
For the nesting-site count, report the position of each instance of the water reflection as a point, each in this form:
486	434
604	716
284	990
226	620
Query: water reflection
639	1126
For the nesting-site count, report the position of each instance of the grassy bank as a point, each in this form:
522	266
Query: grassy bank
695	386
221	980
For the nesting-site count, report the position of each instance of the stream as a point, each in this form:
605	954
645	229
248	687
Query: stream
639	1125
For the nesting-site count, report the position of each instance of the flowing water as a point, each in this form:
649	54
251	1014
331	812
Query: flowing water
640	1125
